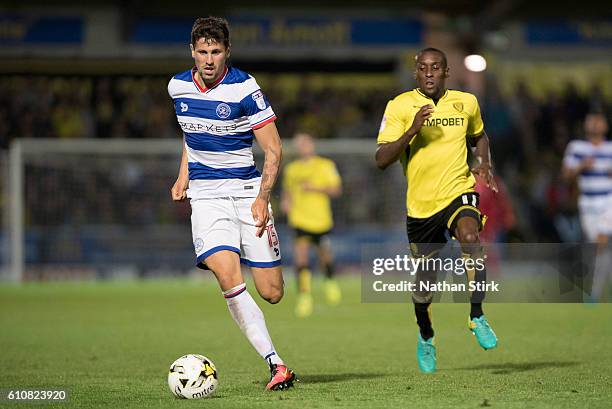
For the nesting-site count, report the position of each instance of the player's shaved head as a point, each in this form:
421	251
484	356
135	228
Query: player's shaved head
211	29
431	50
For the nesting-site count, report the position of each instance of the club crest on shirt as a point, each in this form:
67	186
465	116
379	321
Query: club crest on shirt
259	99
458	106
223	110
184	107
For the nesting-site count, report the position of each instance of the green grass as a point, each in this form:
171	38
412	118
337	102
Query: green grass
111	345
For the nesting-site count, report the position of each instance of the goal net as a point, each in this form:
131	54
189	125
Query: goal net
82	209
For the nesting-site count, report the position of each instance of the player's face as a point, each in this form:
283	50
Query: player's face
304	145
210	58
595	125
430	74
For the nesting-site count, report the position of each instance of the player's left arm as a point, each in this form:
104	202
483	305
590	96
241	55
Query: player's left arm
479	142
482	153
269	140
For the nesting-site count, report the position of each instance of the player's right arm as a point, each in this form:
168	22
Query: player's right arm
572	165
179	190
389	152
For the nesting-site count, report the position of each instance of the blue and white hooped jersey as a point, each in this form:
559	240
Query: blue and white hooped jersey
596	183
218	124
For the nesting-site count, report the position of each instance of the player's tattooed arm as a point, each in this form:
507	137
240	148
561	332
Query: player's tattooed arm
269	141
388	153
179	189
482	153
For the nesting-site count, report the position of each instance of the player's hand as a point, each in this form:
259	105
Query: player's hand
588	163
179	190
485	171
419	118
261	215
307	187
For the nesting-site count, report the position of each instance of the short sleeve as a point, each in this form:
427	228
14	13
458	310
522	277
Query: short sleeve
171	88
571	159
257	108
475	124
392	126
333	177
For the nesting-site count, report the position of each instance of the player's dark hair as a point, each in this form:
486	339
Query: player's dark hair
433	50
211	29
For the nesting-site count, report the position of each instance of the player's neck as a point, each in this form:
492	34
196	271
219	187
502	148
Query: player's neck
204	84
435	98
596	139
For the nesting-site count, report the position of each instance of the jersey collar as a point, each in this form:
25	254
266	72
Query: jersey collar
205	89
425	96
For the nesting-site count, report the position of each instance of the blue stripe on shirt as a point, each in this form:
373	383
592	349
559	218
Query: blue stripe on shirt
197	171
595	192
598	155
591	172
198	108
184	76
215	143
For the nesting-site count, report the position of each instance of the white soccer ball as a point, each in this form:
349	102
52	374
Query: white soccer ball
192	377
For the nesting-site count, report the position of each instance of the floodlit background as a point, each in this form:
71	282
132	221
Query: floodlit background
89	141
98	290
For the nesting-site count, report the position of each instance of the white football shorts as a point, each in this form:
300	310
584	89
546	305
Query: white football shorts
597	219
226	223
606	222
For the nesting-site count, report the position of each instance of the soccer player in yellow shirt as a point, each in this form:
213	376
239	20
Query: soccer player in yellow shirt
308	184
428	129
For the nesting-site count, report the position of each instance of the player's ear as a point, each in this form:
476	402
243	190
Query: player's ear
228	51
446	72
192	50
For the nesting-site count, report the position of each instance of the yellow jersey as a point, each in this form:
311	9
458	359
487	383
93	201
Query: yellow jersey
435	164
311	211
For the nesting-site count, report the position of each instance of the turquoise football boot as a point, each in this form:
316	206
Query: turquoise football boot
483	332
426	355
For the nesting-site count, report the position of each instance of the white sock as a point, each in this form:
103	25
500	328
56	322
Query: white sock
250	319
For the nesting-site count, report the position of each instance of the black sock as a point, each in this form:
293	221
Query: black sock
329	271
476	310
476	298
422	316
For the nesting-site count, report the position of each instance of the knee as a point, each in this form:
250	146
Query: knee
273	295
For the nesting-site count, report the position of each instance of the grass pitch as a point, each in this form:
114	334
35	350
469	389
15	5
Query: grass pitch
111	345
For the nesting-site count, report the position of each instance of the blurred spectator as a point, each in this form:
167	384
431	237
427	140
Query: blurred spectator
528	136
498	209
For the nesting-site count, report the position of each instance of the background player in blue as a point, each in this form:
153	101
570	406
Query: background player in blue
220	110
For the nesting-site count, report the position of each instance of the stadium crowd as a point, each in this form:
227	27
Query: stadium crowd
529	136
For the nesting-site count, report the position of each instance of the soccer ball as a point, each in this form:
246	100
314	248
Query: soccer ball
192	377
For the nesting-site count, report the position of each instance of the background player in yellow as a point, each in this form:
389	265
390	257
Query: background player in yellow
428	129
308	184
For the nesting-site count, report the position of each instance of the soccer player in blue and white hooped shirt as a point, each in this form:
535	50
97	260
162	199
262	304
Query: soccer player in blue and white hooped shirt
221	110
590	162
